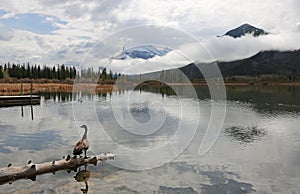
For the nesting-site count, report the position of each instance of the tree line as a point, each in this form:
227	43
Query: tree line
59	72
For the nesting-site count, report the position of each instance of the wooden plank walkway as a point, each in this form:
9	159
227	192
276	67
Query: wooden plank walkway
6	101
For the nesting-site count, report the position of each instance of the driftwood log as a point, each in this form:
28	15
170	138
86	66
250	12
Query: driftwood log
31	170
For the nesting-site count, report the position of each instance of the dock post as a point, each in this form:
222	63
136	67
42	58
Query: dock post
21	88
22	112
31	100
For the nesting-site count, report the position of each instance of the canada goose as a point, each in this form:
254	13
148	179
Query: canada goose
83	144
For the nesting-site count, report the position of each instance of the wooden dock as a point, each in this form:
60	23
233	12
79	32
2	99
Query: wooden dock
6	101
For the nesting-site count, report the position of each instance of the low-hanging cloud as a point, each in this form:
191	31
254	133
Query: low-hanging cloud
209	50
227	48
298	27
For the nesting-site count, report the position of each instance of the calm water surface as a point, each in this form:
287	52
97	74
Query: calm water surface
257	151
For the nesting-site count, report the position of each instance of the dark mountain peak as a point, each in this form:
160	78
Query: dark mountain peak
246	25
245	29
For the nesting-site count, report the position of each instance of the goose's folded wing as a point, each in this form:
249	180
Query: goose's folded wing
78	147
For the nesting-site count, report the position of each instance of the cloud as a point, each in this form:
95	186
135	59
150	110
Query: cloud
8	15
297	27
227	48
5	35
76	26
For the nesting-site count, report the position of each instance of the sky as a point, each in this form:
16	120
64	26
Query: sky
85	33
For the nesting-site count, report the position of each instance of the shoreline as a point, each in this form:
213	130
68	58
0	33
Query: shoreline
15	88
228	84
256	84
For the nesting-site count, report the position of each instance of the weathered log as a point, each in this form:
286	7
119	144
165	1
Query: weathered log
31	170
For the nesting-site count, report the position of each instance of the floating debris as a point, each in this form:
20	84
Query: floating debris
245	135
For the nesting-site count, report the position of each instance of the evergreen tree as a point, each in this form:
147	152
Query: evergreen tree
13	71
23	71
63	72
49	73
54	74
28	71
8	70
5	67
44	72
73	73
1	72
34	72
38	72
110	76
18	72
103	75
67	72
58	72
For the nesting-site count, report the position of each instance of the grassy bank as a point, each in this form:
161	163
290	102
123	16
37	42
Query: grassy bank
15	88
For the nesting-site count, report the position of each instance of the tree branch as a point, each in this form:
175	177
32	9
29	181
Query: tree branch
31	170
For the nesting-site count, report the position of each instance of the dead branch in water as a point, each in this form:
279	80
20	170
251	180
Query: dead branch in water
31	170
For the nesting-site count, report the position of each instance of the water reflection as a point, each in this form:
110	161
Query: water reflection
83	176
124	189
59	96
188	190
265	119
265	99
229	186
268	99
220	180
33	141
223	184
163	90
140	112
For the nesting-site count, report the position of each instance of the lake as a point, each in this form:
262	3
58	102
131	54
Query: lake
156	134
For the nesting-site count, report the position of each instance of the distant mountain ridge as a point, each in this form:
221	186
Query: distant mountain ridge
244	30
278	63
265	62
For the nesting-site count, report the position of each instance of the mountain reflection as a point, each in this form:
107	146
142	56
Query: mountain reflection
264	99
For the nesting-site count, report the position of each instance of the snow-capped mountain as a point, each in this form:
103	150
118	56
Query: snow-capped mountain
142	52
245	29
